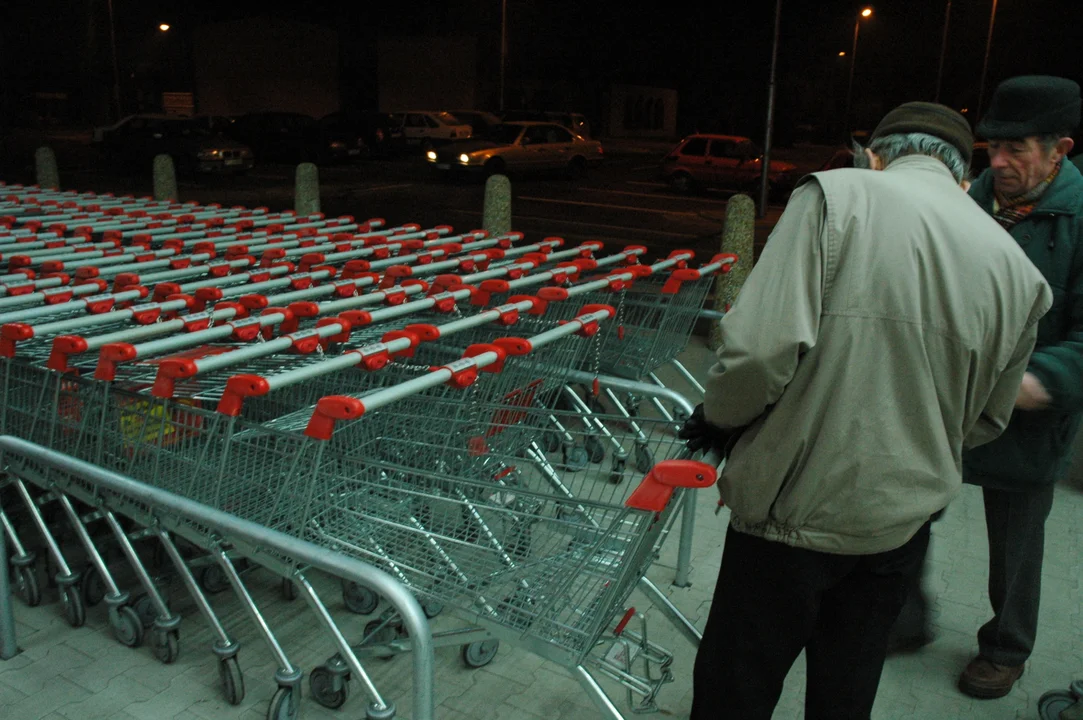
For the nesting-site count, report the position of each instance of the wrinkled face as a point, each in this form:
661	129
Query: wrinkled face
1019	165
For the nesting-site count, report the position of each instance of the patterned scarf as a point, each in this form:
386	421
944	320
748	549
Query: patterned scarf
1008	211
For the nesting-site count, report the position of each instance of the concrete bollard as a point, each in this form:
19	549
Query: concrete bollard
165	178
45	169
738	234
306	189
496	218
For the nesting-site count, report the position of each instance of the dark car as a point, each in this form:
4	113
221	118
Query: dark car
379	132
722	161
195	144
294	137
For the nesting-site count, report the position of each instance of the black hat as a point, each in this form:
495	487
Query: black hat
932	119
1031	105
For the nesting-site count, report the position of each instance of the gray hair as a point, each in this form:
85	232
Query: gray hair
1048	141
890	148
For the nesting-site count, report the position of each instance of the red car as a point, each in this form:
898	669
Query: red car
729	162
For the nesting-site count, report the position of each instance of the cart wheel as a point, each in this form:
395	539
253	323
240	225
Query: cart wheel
127	627
644	458
359	599
167	645
74	607
213	580
1053	703
576	459
289	590
229	672
551	441
144	607
595	449
92	587
322	682
431	608
679	414
26	584
281	707
377	632
616	477
481	653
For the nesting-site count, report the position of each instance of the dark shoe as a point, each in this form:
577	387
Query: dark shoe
986	680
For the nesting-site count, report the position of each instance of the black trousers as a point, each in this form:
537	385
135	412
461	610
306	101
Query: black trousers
772	601
1015	522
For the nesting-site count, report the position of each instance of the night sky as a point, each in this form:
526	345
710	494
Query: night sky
717	56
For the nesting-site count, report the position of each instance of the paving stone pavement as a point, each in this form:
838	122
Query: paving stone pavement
67	674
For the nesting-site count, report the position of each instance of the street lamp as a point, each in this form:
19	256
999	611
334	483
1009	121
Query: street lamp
985	64
943	52
842	53
116	69
865	13
765	162
164	27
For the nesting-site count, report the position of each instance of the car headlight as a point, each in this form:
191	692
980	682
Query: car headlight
464	159
431	155
209	154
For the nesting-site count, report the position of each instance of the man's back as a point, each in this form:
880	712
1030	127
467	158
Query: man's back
921	304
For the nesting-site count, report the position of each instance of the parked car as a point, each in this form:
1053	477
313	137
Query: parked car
480	121
517	146
380	133
429	129
295	137
722	161
195	144
576	122
841	158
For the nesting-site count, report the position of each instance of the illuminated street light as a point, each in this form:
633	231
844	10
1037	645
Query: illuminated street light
842	53
164	27
865	13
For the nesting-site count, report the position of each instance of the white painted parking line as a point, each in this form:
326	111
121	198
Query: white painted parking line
562	221
629	208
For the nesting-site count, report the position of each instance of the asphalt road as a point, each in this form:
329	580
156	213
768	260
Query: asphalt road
621	202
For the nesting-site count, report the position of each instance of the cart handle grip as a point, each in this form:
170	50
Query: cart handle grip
657	487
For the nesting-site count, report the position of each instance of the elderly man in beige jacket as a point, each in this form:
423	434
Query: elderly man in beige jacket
885	328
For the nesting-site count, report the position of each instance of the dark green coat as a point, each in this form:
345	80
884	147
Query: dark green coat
1034	450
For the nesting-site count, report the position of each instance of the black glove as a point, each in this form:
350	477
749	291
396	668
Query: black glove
699	434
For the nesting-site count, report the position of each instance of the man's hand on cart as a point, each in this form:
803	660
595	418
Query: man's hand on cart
699	434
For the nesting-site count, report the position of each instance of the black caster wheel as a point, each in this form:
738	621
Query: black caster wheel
616	477
576	459
378	632
431	608
166	645
595	449
1053	703
327	688
479	654
282	706
74	607
127	627
229	672
144	607
213	580
644	459
359	599
92	587
25	579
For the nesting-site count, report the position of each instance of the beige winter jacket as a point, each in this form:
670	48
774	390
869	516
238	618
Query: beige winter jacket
886	326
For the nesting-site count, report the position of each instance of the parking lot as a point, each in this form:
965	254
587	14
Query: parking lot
621	202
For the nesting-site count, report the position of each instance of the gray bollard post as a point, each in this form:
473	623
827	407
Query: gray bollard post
45	168
8	648
306	189
738	234
165	178
496	218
